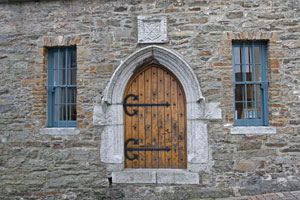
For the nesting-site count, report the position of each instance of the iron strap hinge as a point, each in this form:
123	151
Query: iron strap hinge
141	148
135	98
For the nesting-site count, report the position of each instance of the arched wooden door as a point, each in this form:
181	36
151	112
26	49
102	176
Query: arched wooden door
154	120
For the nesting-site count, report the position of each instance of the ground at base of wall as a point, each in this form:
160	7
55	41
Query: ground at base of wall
294	195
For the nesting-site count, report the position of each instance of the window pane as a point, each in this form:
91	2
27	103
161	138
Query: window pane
248	62
258	92
73	112
55	60
246	55
257	73
239	107
73	59
73	77
237	55
59	77
250	112
240	92
249	73
57	92
239	73
57	110
258	109
256	55
250	92
71	95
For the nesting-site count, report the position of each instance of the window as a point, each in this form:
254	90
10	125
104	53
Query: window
250	84
62	89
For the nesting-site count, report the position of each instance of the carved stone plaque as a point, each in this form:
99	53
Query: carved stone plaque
152	29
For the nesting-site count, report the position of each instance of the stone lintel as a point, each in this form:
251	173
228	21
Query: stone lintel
59	131
253	130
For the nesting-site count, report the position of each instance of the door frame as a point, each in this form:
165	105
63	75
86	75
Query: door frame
109	114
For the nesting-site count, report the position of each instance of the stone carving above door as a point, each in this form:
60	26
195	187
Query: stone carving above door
152	29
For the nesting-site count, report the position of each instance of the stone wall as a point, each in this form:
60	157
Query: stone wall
68	166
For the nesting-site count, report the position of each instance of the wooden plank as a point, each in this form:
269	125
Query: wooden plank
160	117
148	131
154	116
128	163
141	119
182	156
167	119
174	122
134	120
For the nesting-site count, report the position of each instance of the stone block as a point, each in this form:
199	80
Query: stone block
134	176
287	159
255	130
176	177
246	165
112	142
59	131
108	114
152	29
197	142
204	110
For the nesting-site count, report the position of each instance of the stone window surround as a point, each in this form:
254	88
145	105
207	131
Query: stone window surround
251	35
109	115
57	41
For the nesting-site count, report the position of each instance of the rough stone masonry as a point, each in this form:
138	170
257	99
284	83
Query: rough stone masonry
41	163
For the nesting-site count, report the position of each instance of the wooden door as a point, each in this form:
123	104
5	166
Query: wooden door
154	120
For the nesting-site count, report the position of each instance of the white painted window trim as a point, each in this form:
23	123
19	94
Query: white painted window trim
253	130
59	131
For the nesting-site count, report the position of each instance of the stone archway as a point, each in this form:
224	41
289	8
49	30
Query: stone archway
110	112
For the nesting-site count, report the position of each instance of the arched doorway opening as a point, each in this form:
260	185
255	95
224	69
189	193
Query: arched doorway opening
154	114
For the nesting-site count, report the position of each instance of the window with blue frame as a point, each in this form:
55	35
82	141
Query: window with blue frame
250	83
62	88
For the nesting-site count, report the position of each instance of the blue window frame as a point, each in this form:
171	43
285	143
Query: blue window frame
250	83
62	89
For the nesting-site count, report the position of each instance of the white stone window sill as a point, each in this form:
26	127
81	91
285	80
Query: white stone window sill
156	176
253	130
59	131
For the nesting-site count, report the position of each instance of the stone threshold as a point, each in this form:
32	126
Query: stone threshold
156	176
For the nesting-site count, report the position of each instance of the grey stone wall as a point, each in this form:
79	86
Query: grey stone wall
67	166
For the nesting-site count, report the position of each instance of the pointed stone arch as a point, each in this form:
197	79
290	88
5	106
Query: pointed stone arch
163	56
110	115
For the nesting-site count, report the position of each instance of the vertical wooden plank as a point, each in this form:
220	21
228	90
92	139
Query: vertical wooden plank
174	130
134	120
160	117
148	131
181	129
128	163
168	129
154	116
141	119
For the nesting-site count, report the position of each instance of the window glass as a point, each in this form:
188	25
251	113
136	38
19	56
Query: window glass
62	87
250	91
